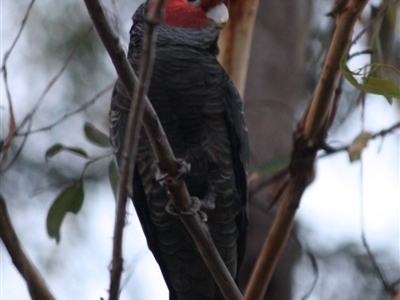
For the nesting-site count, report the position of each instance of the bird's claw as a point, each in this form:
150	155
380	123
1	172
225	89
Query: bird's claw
194	209
160	177
184	168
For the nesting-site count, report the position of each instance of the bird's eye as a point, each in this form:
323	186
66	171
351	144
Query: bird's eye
194	2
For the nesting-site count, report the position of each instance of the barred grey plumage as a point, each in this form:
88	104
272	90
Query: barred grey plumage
202	115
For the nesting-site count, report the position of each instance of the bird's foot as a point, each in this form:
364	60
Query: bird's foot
184	169
194	209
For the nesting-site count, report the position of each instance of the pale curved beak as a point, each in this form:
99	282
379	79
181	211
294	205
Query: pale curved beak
219	14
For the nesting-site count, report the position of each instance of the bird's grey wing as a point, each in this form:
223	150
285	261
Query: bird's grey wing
118	122
240	151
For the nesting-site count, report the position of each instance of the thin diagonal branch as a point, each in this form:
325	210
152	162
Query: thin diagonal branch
168	164
13	131
11	128
7	54
54	80
316	118
19	150
307	139
36	285
386	131
131	143
371	24
378	270
11	124
71	113
264	182
381	133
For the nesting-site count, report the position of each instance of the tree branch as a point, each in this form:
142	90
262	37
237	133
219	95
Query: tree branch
315	119
69	114
168	164
36	285
54	79
235	41
132	141
306	141
23	23
381	133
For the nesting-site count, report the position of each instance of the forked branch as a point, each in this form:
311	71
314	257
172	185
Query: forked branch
307	139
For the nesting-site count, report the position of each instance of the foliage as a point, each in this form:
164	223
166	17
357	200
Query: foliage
371	84
71	198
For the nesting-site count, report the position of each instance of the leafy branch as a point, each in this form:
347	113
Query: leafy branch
307	139
27	121
72	197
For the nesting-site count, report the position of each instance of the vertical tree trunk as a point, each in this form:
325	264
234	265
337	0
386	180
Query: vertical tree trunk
275	80
274	87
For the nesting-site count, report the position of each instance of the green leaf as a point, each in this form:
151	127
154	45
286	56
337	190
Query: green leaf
358	145
95	136
57	148
372	85
269	167
113	176
70	200
380	86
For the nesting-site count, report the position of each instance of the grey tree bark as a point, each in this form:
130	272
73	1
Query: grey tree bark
273	96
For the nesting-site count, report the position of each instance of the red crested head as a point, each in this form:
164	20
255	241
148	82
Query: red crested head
194	13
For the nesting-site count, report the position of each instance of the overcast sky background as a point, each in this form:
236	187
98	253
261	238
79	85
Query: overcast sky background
77	268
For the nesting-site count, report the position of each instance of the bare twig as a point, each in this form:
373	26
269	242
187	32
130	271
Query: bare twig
259	184
5	145
330	150
28	118
390	288
7	54
36	285
371	256
338	89
307	139
11	128
167	162
131	143
53	80
314	265
19	150
384	132
67	115
371	24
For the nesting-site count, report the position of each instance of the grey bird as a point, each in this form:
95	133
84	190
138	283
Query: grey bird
202	115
